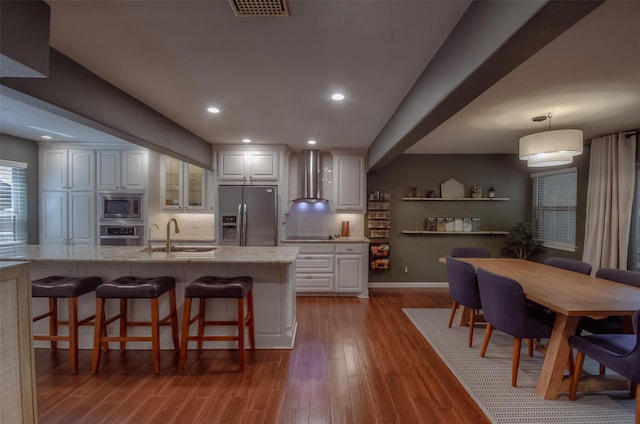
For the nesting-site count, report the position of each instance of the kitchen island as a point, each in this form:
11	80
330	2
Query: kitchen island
272	269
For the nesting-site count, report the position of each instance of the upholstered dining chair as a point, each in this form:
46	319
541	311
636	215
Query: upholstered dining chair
569	264
619	352
612	324
463	289
470	252
505	309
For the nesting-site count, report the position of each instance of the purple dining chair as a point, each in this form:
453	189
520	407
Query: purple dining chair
569	264
611	324
470	252
619	352
463	289
505	309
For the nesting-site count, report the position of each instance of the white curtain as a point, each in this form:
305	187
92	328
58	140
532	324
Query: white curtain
609	201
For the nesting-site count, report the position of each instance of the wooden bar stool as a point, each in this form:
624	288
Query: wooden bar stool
208	287
54	288
124	288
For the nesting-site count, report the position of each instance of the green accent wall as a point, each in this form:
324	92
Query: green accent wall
26	151
510	178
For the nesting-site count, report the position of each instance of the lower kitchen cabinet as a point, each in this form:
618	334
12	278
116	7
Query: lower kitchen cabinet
332	268
315	267
351	268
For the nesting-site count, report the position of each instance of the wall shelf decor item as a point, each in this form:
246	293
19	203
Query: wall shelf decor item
452	188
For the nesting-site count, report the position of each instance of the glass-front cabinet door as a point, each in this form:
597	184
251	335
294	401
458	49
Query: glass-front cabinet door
183	186
172	187
195	187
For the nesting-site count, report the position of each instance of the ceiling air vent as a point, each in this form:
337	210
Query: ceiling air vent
260	7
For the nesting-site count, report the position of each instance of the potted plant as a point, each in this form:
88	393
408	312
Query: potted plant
520	242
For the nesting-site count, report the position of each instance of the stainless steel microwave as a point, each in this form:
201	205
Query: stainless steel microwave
120	205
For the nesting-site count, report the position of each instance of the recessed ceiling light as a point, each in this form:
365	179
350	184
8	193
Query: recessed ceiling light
246	140
213	109
311	142
46	137
337	96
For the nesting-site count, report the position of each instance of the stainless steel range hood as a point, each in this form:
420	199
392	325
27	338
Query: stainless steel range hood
311	178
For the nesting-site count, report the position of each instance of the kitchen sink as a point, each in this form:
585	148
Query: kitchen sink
183	249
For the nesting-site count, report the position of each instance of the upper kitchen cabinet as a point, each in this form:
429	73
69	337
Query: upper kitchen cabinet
350	183
248	166
67	169
183	186
122	170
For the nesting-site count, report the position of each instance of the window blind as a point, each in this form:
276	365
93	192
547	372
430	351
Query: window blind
13	202
554	208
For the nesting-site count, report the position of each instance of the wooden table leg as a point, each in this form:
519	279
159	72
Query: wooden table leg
555	360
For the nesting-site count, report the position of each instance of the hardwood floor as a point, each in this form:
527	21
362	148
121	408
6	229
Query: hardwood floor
354	361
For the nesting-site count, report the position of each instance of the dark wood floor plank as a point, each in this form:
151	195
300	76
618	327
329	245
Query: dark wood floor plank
354	361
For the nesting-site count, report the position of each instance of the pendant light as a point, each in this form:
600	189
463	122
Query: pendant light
550	148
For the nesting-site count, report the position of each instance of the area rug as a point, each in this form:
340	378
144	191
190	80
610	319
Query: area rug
488	379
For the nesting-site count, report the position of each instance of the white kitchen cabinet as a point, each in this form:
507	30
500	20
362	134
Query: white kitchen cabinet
68	217
67	169
315	268
351	268
122	170
184	186
350	183
326	268
248	166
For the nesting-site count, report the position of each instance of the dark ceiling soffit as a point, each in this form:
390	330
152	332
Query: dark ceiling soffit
75	93
24	39
554	18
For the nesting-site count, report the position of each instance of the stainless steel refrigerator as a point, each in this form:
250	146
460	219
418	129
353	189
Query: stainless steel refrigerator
248	215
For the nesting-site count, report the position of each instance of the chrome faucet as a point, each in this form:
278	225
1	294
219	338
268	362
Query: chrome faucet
168	247
149	236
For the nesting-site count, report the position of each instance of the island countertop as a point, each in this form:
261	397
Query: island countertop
137	254
299	240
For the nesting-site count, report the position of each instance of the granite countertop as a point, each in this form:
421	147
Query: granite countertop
10	264
297	240
132	254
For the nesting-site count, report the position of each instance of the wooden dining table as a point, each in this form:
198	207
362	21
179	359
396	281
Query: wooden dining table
571	296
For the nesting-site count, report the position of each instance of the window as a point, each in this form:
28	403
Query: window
13	202
554	208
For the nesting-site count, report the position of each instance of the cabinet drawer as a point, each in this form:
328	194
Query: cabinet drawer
327	248
314	263
350	248
314	282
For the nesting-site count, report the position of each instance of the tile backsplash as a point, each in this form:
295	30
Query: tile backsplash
317	220
193	226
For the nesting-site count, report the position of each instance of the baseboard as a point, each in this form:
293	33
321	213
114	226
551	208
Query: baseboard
409	285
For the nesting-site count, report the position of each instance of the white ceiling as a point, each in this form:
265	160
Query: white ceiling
273	77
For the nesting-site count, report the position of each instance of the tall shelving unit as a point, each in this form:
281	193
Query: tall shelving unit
379	226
